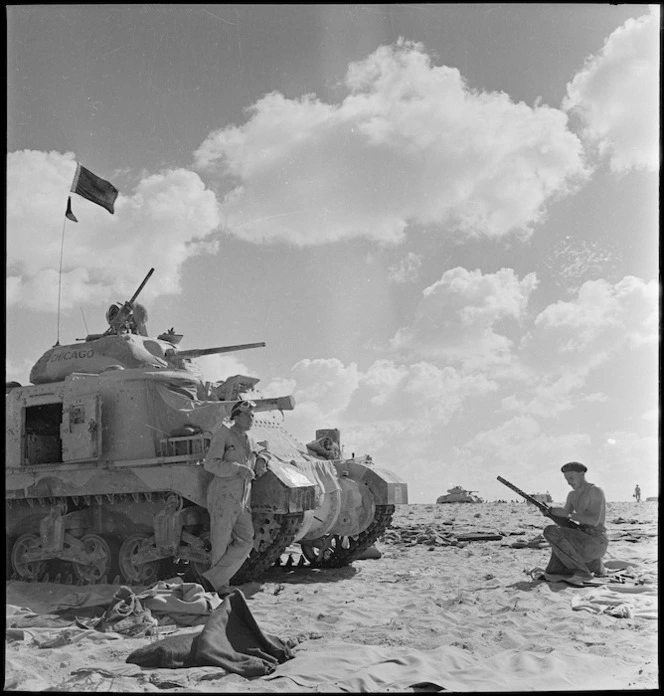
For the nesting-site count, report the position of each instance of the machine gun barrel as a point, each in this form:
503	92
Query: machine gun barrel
141	286
543	507
197	352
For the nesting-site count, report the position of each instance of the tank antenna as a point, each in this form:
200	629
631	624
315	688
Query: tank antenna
85	323
62	248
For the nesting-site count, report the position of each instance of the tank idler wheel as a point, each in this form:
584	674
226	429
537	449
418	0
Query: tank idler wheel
102	553
328	547
132	571
335	551
27	570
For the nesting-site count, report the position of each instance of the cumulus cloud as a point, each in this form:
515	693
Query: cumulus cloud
162	222
215	368
616	95
567	340
411	144
548	396
520	446
602	319
373	407
458	315
421	392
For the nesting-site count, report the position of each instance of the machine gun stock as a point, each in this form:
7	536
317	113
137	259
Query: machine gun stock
543	507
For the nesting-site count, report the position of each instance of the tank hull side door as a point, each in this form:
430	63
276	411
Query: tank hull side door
81	420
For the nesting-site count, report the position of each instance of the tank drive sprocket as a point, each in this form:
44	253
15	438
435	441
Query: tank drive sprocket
273	534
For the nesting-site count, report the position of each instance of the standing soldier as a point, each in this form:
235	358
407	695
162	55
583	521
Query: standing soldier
637	493
235	459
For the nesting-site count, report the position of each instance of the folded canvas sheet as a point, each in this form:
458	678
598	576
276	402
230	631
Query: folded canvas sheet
187	603
231	639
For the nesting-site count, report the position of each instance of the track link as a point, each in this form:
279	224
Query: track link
281	536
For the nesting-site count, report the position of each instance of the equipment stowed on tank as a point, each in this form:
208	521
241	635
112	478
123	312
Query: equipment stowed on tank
104	466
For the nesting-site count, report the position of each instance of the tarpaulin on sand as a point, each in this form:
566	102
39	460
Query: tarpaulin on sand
362	668
231	639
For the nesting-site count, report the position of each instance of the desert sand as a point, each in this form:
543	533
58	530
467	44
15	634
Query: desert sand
434	612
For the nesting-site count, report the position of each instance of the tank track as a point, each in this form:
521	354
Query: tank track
270	550
276	532
336	551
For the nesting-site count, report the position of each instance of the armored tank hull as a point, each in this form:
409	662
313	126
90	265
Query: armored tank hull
105	480
459	495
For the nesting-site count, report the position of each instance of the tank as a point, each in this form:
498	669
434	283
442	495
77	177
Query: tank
541	497
457	494
105	477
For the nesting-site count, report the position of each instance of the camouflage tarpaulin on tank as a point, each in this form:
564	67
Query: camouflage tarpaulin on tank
174	409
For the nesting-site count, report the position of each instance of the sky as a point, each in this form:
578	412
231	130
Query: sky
442	219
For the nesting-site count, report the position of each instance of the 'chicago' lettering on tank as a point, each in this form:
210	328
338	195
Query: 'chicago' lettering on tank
72	354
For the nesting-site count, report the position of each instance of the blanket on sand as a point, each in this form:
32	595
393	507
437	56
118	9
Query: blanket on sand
231	638
622	601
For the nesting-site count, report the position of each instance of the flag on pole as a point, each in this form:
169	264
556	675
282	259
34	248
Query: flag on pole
93	188
69	214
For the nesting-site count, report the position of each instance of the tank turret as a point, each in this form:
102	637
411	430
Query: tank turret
457	494
125	344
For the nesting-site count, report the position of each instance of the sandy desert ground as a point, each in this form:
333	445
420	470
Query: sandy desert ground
434	612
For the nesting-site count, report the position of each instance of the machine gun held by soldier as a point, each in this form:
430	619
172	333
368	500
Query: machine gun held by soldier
544	508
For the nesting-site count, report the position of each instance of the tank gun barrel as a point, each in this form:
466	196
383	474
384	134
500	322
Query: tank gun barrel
277	403
198	352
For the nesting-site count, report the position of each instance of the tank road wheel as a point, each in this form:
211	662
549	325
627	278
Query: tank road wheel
132	570
102	553
26	570
334	551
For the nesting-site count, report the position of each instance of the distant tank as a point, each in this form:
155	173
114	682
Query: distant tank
541	497
104	475
459	495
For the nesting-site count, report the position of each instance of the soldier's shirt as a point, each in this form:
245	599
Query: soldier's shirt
230	447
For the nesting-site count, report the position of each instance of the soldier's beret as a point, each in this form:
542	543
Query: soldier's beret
574	466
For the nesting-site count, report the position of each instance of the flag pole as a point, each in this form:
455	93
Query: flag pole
62	248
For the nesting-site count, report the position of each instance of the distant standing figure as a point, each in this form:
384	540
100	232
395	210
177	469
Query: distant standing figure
578	553
235	459
637	493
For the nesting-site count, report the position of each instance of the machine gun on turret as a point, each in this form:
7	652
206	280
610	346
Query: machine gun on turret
125	344
127	317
